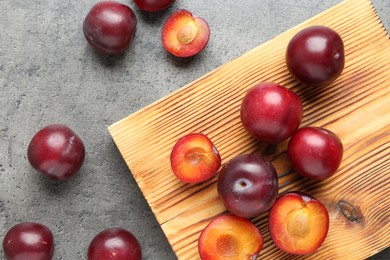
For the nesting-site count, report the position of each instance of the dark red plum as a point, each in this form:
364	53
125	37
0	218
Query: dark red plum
109	27
56	151
270	112
28	240
114	244
248	185
153	5
315	55
315	152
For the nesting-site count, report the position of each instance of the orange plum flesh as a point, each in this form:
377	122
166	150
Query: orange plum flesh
184	34
298	223
230	237
194	158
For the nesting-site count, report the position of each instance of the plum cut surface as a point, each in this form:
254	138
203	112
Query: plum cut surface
185	34
194	158
298	223
230	237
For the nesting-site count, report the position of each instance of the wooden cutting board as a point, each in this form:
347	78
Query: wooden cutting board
356	107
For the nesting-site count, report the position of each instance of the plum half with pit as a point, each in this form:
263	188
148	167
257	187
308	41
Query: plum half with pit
270	112
230	237
56	151
28	240
185	34
315	152
194	158
298	223
248	185
109	27
315	55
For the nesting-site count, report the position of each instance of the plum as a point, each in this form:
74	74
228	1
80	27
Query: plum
114	244
28	240
315	152
153	5
109	27
248	185
56	151
270	112
315	55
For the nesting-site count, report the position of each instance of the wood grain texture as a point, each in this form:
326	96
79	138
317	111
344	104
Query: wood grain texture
356	107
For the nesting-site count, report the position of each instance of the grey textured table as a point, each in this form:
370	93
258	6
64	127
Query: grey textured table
48	74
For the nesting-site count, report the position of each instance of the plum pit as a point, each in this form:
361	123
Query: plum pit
187	33
298	223
227	246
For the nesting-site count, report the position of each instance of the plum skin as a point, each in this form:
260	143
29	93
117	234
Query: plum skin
56	151
109	27
315	55
270	112
315	152
153	5
28	240
248	185
114	243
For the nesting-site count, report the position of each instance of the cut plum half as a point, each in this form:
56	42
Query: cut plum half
298	223
230	237
185	34
194	158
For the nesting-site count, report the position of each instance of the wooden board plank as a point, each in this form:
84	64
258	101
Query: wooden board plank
356	107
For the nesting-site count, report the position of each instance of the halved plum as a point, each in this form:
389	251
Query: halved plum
230	237
298	223
194	158
185	34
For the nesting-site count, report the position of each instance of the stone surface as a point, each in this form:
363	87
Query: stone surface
48	74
